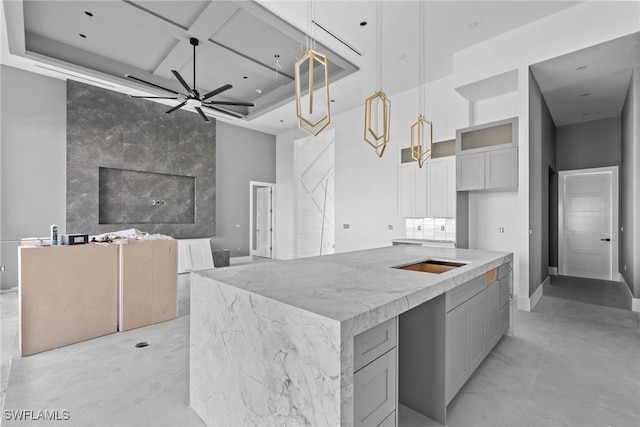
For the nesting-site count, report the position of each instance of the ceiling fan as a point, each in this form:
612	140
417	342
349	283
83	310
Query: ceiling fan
193	97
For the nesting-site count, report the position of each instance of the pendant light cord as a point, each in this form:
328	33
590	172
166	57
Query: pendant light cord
379	44
311	28
422	72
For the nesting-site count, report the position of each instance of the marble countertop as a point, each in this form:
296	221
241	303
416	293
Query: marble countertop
423	241
358	285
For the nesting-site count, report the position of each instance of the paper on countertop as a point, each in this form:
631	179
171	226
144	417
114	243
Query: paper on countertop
124	236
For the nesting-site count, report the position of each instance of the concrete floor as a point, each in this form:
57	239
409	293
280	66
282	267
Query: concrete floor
569	363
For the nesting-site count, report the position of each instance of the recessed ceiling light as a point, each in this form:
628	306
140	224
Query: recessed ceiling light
363	23
582	67
88	13
582	95
281	121
402	57
586	114
473	25
245	77
83	36
258	90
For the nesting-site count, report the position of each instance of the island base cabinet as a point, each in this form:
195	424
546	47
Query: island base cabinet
375	392
493	315
457	350
503	320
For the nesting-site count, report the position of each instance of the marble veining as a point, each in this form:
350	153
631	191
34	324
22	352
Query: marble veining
309	309
107	129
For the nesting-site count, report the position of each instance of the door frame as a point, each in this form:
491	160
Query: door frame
615	207
253	206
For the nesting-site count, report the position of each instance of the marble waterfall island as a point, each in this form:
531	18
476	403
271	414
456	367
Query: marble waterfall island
273	343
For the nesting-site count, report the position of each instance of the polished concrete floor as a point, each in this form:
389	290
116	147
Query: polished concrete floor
568	363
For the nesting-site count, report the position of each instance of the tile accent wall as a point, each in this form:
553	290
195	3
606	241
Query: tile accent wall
431	229
110	130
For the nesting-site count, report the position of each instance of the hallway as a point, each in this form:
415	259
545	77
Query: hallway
591	291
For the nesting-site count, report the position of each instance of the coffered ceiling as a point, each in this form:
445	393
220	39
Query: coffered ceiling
239	41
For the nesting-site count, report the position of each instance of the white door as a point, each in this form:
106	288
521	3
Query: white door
263	222
588	223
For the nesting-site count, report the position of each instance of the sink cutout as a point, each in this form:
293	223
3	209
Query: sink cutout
432	266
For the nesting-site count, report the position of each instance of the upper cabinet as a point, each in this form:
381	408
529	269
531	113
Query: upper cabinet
487	156
441	187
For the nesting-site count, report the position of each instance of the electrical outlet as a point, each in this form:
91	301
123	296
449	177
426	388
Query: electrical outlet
389	227
625	267
4	268
345	226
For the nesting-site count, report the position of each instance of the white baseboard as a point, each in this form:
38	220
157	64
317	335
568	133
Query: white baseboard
553	271
635	302
528	303
6	291
240	259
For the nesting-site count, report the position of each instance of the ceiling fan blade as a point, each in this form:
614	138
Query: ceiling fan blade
241	104
182	82
154	97
224	111
129	76
176	107
199	110
216	91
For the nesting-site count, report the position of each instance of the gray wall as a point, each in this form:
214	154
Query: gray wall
542	159
630	186
32	161
33	167
243	155
592	144
110	129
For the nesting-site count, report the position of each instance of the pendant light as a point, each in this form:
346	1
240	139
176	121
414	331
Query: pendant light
422	129
377	108
309	122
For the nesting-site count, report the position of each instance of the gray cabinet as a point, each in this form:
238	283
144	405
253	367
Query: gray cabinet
487	156
492	299
457	350
374	380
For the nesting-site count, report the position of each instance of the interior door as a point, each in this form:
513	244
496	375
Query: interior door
263	222
587	219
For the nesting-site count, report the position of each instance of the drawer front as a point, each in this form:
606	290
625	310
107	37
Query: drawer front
462	293
504	270
373	343
375	391
505	290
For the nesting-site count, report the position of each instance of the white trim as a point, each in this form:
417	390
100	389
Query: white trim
615	200
634	302
10	290
553	271
240	259
528	304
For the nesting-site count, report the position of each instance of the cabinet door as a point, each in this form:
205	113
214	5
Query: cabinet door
406	190
491	300
470	172
437	189
505	290
477	331
450	211
503	320
457	349
501	169
375	390
420	206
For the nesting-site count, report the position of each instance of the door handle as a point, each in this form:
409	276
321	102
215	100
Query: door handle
605	240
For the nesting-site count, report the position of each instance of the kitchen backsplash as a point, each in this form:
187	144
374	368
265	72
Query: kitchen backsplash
431	228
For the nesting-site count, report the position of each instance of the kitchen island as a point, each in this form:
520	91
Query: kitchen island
314	341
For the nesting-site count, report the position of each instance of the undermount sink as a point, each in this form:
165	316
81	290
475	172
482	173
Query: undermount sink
432	266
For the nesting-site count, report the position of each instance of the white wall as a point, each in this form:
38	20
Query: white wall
33	142
366	186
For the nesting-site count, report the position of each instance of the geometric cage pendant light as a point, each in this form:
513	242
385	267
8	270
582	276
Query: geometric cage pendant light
377	107
312	117
422	129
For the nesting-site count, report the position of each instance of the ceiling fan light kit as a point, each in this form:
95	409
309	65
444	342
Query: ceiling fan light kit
193	99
